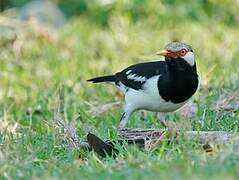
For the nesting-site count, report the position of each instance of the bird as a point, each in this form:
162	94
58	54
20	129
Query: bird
159	85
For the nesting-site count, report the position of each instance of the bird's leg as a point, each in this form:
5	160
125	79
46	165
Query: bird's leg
125	118
123	121
169	125
162	120
163	123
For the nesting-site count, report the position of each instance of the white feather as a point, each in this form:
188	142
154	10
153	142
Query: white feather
136	78
128	72
189	57
122	87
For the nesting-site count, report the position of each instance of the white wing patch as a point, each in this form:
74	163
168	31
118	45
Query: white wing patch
128	72
135	77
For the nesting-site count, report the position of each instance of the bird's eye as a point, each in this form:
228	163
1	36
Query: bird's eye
183	52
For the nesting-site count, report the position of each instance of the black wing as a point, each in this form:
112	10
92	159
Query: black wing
136	75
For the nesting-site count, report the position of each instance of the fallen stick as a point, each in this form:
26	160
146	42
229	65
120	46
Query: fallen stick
151	138
204	137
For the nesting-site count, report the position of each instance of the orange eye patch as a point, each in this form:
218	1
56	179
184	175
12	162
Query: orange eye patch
176	54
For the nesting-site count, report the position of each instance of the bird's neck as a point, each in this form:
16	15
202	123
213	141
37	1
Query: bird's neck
184	79
181	69
180	82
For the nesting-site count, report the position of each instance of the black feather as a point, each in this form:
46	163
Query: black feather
146	70
100	79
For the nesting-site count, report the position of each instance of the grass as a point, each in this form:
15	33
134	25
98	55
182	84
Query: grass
31	146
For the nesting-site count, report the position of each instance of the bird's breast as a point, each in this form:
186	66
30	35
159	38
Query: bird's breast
177	89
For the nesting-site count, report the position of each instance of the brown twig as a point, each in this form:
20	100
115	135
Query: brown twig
204	137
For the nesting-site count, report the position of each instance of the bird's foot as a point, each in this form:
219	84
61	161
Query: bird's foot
170	126
163	123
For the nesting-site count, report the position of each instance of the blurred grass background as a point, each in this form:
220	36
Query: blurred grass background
103	37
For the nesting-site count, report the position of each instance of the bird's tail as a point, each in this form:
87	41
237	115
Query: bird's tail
100	79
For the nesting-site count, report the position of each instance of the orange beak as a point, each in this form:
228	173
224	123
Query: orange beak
163	52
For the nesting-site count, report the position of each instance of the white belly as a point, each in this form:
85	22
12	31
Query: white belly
148	98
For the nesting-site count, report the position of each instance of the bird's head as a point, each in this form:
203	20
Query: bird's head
178	51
